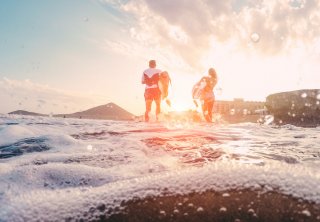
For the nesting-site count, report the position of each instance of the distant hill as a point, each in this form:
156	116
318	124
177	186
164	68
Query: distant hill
109	111
26	113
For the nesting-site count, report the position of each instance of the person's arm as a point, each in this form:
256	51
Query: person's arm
212	83
143	80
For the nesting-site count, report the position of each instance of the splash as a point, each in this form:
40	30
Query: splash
255	37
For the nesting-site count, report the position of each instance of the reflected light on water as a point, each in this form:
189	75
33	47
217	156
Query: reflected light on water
89	147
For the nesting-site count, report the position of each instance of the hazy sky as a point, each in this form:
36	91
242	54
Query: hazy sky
63	56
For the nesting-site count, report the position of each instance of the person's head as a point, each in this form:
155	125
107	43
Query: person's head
152	64
212	73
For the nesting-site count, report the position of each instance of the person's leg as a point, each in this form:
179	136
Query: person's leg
204	107
158	108
148	100
157	99
148	109
210	107
207	110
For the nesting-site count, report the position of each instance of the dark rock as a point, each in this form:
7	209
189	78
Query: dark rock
300	107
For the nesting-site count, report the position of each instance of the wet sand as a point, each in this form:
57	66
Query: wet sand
237	206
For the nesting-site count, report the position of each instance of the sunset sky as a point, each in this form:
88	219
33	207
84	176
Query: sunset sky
64	56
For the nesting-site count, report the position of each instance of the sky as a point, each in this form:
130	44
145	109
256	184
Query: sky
64	56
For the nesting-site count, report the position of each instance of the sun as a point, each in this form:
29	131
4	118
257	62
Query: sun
180	105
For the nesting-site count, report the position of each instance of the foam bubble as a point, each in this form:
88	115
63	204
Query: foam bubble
304	95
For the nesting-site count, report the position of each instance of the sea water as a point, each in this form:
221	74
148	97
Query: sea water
65	169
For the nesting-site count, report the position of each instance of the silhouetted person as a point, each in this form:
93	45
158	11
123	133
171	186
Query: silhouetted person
207	96
150	77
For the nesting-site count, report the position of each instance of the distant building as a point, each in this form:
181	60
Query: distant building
238	107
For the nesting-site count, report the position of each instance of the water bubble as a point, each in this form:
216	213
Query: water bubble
306	213
89	147
200	209
307	105
304	95
226	195
176	211
255	37
223	209
317	102
190	205
318	96
232	112
162	212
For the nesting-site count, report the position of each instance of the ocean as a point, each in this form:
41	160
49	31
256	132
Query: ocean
55	169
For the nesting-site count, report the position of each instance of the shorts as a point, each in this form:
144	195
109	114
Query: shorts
152	94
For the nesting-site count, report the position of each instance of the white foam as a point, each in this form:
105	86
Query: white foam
71	202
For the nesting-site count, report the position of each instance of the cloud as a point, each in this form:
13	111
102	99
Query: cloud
187	28
16	94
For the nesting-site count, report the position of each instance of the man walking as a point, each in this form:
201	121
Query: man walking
150	78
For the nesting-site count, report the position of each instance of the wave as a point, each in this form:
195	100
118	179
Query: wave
24	146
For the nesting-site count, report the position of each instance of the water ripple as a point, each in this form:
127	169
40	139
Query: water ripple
24	146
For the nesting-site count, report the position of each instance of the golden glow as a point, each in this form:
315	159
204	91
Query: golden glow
180	106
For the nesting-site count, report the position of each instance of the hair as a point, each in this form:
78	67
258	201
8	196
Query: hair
152	63
212	72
